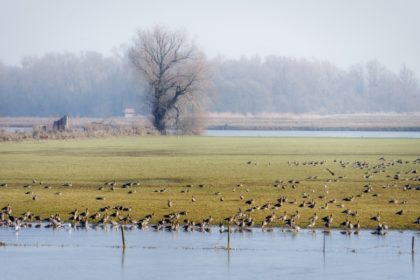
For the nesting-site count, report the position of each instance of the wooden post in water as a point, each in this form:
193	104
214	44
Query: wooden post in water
228	246
323	248
412	245
123	237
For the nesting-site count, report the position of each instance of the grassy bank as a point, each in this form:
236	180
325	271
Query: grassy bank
219	164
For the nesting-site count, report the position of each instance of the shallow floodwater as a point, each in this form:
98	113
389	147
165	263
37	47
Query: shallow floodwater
314	133
96	254
17	128
286	133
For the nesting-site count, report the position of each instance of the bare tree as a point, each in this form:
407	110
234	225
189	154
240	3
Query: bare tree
176	72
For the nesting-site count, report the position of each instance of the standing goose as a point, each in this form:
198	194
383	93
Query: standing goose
401	212
376	218
357	227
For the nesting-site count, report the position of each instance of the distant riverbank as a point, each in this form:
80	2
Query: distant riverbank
308	122
262	121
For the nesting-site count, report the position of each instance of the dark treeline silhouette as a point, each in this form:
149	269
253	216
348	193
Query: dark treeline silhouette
89	84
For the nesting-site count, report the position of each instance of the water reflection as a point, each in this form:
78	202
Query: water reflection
313	133
122	257
192	255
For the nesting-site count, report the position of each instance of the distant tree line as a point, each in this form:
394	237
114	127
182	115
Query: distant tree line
284	84
85	84
91	85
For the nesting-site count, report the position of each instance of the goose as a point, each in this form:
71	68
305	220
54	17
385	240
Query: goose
105	219
283	217
381	229
85	214
296	215
345	223
250	202
328	220
104	209
354	214
312	204
270	218
357	226
376	218
263	224
208	220
314	217
229	219
95	216
401	212
295	228
312	223
149	216
349	199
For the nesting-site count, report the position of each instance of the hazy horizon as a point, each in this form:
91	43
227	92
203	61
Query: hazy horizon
341	32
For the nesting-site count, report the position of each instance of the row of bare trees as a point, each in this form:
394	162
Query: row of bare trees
290	85
163	74
85	84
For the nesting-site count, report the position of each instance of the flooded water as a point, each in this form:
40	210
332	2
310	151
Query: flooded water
314	133
286	133
17	128
96	254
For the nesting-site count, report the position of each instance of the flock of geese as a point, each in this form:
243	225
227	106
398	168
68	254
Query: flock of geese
242	220
120	216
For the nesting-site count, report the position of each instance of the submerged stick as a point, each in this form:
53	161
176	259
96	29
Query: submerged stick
123	237
330	171
412	245
228	246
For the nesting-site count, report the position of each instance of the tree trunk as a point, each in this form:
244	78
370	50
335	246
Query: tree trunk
159	118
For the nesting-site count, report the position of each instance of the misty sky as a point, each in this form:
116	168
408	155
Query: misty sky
343	32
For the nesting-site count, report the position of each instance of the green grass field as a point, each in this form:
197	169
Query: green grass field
220	164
